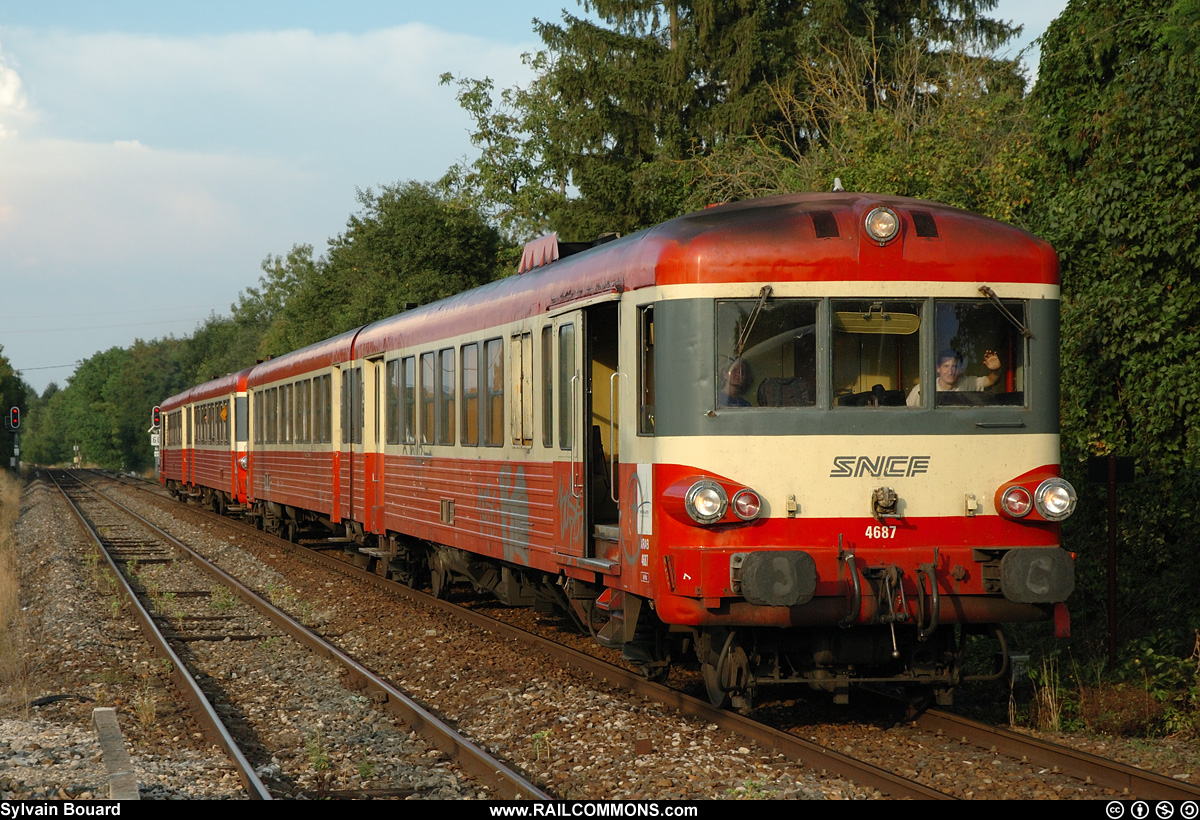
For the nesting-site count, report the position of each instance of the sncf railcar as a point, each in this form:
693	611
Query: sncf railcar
204	435
811	439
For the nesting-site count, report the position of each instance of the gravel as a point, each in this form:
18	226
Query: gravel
575	736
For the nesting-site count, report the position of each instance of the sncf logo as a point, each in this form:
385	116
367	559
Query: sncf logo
879	466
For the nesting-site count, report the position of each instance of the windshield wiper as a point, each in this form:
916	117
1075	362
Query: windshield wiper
995	300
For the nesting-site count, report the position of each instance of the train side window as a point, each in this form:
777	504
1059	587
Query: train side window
285	414
392	406
326	407
522	389
548	386
876	351
256	400
446	387
318	411
470	394
493	405
646	370
358	406
566	372
303	413
346	423
428	394
272	413
408	380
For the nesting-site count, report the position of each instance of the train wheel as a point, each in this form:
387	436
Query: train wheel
291	530
717	696
708	652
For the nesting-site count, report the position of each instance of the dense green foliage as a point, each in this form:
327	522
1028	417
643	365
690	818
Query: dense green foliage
658	109
1117	115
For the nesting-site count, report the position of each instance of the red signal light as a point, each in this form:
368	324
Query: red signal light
14	417
155	417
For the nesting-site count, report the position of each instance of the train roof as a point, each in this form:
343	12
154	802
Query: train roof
316	356
212	389
790	238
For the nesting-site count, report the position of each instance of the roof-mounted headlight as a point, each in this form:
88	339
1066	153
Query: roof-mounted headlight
706	501
882	225
1055	499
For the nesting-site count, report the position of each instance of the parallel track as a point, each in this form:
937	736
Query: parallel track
505	781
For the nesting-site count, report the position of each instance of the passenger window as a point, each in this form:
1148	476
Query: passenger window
392	406
493	405
445	431
566	376
470	395
428	395
646	370
548	386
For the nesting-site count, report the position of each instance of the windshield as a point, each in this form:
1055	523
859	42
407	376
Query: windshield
767	352
776	363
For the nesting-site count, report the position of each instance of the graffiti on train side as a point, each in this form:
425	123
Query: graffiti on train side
504	513
570	515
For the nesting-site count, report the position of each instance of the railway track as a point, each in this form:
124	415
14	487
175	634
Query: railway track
180	623
1089	776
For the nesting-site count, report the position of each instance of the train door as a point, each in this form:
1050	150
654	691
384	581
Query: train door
189	457
586	432
570	404
352	406
372	446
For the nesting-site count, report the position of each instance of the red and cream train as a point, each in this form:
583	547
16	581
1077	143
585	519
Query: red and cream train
708	437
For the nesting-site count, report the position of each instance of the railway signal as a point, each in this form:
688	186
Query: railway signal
155	418
14	418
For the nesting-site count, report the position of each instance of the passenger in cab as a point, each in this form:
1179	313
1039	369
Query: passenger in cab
950	378
734	380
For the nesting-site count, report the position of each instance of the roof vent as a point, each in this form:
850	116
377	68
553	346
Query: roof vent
824	224
923	222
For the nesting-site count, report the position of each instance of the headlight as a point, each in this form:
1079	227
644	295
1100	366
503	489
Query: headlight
882	224
706	501
1055	499
244	462
1017	502
746	504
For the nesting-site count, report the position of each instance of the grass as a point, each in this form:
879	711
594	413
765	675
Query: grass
13	627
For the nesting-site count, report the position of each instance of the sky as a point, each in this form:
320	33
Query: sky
153	154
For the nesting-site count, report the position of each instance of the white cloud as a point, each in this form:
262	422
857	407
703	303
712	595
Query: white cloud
141	171
12	98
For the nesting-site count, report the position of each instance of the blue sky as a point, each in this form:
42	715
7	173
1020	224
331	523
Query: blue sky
152	154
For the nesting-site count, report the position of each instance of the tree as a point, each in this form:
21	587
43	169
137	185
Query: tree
618	109
407	246
13	392
941	124
1117	107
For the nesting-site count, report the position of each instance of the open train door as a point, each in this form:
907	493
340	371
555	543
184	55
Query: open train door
571	406
585	396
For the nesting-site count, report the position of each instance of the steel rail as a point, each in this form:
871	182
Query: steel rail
471	757
1071	762
813	755
202	708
